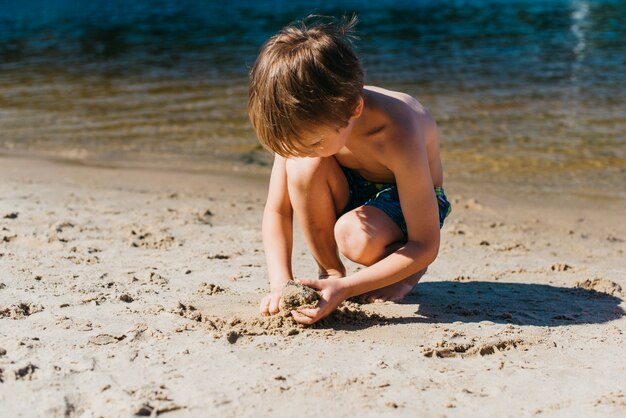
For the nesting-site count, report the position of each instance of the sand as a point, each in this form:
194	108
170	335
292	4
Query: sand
296	296
135	292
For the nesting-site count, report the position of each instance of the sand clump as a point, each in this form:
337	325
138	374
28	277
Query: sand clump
234	327
210	289
20	310
26	372
445	349
152	239
348	314
601	286
297	296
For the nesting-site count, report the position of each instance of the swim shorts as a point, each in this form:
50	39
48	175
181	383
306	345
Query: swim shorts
384	196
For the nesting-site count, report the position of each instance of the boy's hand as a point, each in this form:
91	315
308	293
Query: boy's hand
270	304
332	293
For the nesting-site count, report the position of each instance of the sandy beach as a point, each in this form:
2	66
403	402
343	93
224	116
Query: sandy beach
135	292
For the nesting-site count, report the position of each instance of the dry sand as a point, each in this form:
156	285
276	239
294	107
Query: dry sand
127	291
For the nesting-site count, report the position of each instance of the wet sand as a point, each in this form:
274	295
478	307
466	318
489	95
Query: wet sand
135	291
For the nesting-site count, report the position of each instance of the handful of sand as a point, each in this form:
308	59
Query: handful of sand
297	296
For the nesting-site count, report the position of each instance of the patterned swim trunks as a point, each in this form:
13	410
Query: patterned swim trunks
384	196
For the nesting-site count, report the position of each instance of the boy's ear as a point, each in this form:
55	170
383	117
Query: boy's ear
359	108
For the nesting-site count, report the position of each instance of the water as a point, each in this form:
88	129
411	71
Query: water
526	93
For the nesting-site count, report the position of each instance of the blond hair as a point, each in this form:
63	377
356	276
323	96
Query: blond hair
306	76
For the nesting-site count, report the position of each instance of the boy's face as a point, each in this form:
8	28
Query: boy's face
325	142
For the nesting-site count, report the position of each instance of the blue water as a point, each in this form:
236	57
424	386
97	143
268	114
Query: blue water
515	85
443	42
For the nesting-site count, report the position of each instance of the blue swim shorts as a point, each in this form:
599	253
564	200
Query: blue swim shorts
384	196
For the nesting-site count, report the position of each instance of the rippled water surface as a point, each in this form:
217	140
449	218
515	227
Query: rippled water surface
529	93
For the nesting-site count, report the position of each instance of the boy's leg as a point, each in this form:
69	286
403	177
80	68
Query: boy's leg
366	235
318	191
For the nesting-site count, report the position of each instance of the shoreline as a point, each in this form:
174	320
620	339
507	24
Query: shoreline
258	163
133	290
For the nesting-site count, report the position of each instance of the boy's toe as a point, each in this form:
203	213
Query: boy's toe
376	299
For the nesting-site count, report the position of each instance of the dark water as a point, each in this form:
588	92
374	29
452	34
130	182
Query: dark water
529	93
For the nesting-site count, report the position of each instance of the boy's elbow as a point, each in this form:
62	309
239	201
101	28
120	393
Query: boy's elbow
432	251
427	251
424	252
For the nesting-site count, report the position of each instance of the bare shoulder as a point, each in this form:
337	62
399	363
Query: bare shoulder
409	134
401	99
407	117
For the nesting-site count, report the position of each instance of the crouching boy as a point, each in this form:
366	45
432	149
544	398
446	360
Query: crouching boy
358	165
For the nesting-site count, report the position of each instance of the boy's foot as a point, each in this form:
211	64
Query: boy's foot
331	274
395	292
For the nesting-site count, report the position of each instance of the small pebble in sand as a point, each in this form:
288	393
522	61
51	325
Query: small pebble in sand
126	298
144	410
296	296
12	215
205	217
26	372
232	337
8	238
3	352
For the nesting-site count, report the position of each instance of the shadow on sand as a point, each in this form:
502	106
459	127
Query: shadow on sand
498	302
513	303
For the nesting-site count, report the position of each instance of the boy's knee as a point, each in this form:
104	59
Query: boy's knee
301	171
355	243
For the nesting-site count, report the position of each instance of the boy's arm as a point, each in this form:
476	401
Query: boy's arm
277	235
419	205
408	160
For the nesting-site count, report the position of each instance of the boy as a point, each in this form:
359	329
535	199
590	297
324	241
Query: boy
358	165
